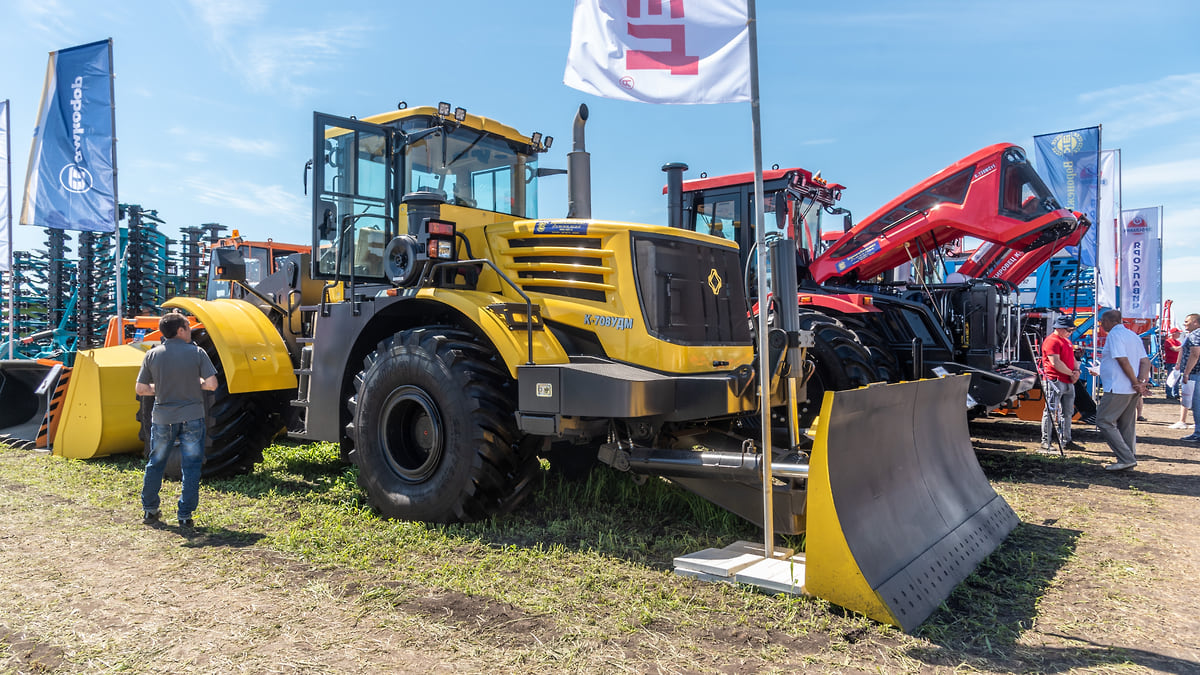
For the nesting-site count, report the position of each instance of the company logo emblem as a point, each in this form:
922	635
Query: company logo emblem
560	228
75	178
1067	144
714	281
626	82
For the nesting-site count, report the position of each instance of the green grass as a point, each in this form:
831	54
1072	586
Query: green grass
591	558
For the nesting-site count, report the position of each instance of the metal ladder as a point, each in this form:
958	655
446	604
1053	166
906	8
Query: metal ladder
304	372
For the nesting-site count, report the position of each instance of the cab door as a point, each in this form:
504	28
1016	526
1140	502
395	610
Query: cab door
353	197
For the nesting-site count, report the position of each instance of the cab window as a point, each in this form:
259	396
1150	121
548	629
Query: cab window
719	217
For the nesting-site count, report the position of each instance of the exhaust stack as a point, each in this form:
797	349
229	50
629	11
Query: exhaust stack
579	170
675	192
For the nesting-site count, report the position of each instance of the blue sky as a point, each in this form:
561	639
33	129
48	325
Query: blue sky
215	97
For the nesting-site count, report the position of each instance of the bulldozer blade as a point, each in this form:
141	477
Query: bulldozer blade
99	413
899	510
25	388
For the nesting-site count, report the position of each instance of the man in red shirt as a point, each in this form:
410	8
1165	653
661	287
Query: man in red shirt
1058	383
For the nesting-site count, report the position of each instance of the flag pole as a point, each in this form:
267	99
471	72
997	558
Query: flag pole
118	254
760	238
12	277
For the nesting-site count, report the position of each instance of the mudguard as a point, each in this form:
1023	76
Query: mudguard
899	511
253	354
511	343
98	416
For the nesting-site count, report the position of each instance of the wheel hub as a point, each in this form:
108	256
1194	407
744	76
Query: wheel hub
411	433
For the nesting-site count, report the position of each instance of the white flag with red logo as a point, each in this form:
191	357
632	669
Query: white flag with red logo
661	51
1141	263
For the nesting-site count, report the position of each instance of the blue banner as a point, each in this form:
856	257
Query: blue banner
70	184
1069	161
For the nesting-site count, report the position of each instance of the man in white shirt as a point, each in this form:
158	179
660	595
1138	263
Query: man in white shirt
1116	416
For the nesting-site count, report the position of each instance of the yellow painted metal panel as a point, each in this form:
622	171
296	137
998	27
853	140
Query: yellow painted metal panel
99	414
253	354
831	571
617	320
512	344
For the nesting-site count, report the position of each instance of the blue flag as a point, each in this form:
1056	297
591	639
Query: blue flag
71	183
1070	164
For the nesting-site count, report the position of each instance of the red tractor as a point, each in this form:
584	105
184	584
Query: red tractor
871	325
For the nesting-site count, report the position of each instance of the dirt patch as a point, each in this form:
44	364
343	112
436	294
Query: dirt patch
30	655
1103	574
1127	590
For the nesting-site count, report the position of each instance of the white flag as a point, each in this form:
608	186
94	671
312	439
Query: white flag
1140	263
5	193
661	51
1106	228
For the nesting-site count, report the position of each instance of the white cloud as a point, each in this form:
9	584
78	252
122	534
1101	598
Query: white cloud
1131	107
260	147
261	200
1179	270
281	61
220	15
250	146
274	60
1158	175
47	16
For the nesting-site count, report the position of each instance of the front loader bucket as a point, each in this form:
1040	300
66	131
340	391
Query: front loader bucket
99	414
25	390
899	511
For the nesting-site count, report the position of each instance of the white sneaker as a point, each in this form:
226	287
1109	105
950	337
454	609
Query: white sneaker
1180	425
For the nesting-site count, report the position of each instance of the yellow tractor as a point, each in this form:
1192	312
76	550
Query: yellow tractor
446	336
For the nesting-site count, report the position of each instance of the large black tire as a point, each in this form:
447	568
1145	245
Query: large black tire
887	366
240	426
840	362
433	425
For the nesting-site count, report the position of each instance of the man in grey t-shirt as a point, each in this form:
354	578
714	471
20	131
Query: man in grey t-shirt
176	373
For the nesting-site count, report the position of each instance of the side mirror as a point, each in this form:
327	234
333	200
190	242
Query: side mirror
230	265
327	223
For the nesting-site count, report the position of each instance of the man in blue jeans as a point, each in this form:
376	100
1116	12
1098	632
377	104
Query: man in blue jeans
176	373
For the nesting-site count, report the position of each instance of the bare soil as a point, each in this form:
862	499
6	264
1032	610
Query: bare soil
1112	585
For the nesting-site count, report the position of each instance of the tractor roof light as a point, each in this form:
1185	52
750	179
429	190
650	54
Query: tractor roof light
460	114
536	139
549	142
443	109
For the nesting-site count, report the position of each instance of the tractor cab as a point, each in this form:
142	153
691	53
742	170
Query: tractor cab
261	259
480	170
724	206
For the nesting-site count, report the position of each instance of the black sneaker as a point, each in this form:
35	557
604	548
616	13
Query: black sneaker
187	523
150	517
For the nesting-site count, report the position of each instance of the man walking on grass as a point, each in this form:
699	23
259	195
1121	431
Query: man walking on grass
176	373
1124	369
